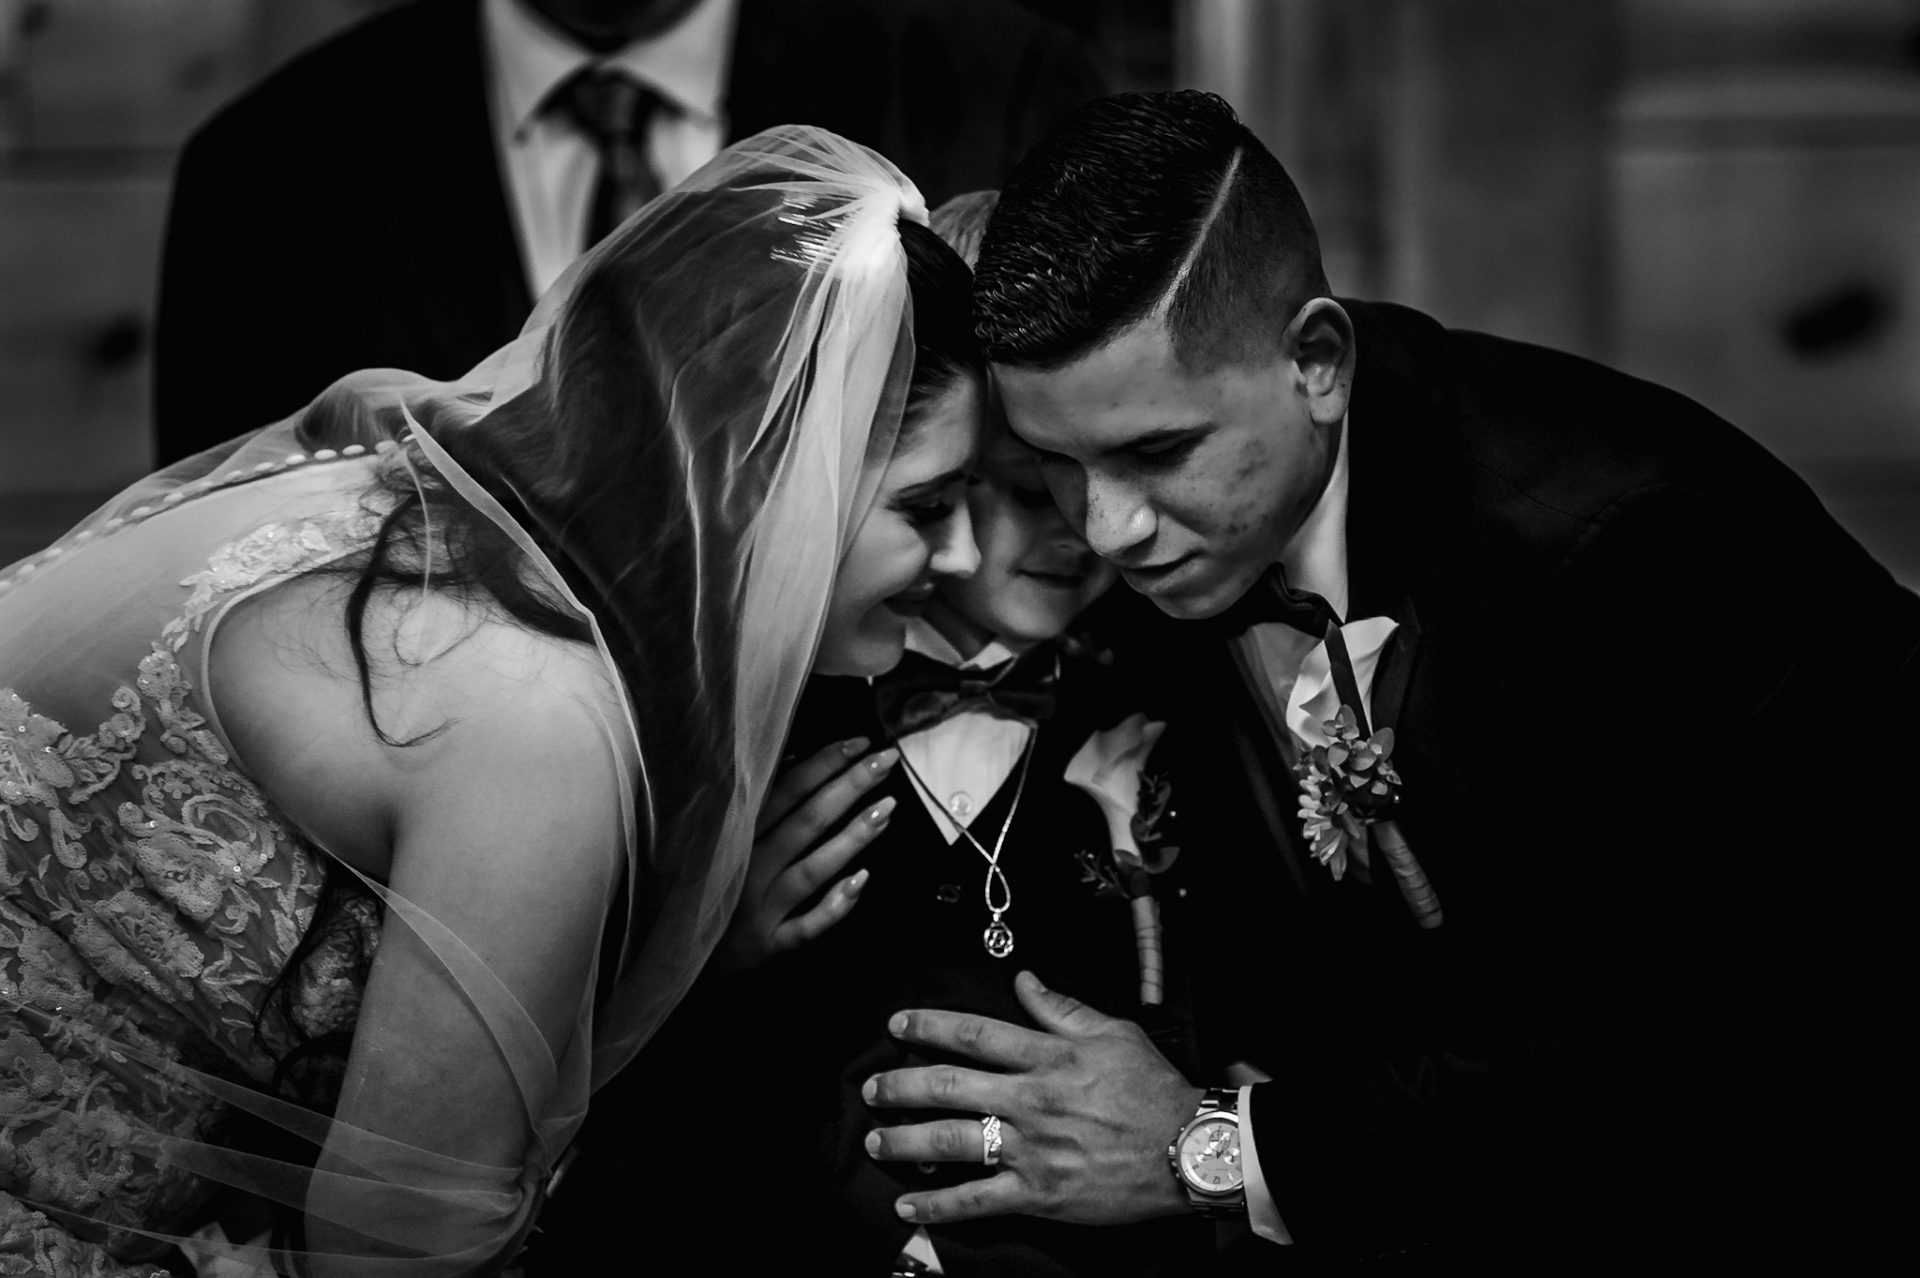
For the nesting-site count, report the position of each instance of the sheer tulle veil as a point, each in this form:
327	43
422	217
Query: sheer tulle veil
675	447
726	362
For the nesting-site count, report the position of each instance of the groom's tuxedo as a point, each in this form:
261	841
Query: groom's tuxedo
349	212
1655	731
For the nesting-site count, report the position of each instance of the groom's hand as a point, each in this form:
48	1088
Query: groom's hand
1087	1107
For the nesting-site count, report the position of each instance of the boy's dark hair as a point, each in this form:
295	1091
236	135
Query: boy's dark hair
962	222
1141	200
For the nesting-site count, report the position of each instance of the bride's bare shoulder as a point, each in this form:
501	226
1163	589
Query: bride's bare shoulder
459	705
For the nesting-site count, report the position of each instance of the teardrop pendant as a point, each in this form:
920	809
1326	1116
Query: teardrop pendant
998	939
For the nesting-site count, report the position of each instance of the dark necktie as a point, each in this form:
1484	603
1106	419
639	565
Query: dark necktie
1271	599
920	692
613	109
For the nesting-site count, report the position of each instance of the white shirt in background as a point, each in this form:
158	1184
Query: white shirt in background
547	165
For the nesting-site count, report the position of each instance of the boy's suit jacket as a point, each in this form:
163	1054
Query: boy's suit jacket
1657	736
349	212
790	1045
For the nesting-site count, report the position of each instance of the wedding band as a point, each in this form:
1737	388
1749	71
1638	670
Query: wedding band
990	1141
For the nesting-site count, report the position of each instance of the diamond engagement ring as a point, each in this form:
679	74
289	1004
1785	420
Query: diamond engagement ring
990	1141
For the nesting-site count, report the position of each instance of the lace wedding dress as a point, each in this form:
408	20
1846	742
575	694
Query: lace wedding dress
152	891
674	453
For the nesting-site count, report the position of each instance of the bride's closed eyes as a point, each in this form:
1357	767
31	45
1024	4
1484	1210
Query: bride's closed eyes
917	530
934	501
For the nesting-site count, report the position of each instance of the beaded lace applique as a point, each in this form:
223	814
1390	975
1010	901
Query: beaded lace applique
149	895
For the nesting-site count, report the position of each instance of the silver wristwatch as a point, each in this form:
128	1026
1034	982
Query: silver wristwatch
1206	1156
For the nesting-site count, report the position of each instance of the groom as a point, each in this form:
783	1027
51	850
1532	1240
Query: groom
1611	967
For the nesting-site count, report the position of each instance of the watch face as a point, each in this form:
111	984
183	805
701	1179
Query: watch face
1210	1156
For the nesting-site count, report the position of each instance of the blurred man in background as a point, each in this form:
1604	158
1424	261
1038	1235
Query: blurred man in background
399	196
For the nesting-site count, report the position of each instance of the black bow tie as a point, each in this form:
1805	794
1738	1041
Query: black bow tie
1271	599
920	692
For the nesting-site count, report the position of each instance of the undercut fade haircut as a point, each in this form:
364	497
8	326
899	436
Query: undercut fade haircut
1140	204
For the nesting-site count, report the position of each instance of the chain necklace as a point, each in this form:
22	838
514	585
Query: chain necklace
998	938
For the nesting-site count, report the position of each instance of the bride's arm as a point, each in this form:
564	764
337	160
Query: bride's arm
504	829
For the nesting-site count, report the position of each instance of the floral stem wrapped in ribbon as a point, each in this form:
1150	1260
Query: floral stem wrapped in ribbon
1349	788
1111	768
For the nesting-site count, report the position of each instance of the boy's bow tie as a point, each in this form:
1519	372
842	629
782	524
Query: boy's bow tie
920	692
1271	599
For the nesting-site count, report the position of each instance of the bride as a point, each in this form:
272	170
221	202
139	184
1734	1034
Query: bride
371	787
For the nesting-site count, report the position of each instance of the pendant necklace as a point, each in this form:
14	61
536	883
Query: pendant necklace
998	938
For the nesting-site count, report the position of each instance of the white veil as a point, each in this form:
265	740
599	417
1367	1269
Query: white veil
773	347
675	450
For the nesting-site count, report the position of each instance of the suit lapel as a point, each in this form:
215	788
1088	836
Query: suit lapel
446	208
1401	463
829	61
1395	500
1257	756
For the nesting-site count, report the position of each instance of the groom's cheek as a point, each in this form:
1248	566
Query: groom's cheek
1069	488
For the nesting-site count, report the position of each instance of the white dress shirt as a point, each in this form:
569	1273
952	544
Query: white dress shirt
1269	657
1315	560
963	760
549	166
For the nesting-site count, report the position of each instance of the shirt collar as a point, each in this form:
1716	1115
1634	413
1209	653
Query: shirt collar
687	64
930	643
1315	559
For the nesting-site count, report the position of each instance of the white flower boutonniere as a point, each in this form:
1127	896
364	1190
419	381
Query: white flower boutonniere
1112	768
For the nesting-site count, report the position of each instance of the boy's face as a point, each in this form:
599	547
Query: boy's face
1036	573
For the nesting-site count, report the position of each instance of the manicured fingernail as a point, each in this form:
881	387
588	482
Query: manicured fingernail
882	811
852	747
857	882
898	1024
903	1209
869	1090
883	761
873	1144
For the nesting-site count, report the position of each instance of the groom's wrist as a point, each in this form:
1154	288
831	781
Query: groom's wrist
1165	1193
1203	1158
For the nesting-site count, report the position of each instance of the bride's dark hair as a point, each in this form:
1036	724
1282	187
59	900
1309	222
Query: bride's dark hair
610	531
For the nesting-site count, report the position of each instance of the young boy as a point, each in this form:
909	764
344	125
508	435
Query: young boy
737	1139
991	862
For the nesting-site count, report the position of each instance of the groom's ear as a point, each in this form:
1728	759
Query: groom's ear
1319	352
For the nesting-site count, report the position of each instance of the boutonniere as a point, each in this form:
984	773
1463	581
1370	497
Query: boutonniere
1346	786
1137	804
1084	647
1349	787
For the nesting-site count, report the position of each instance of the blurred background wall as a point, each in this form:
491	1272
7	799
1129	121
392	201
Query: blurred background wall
1720	195
96	98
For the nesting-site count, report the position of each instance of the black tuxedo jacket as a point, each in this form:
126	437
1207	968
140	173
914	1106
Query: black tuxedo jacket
793	1042
1656	729
349	212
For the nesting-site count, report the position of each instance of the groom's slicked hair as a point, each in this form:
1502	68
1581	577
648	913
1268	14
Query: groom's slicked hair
1138	202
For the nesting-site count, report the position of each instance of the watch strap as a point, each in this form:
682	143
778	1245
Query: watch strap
1215	1100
